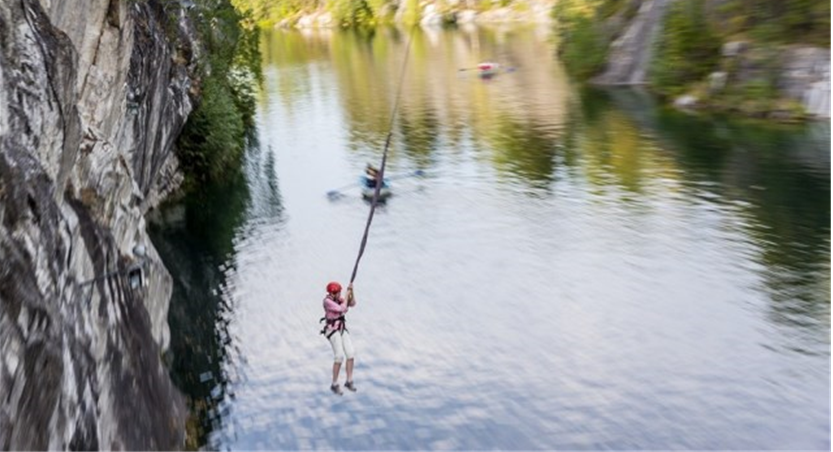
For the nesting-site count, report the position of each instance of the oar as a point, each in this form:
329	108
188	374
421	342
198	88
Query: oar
508	69
418	172
337	192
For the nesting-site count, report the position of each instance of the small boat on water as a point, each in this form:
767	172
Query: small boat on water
488	69
369	187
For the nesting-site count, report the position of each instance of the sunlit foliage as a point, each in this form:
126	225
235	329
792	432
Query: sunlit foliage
211	144
269	12
363	13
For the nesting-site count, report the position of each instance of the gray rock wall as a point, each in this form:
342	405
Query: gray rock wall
802	72
805	77
630	54
92	95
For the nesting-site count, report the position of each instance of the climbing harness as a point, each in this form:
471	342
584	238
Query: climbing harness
340	329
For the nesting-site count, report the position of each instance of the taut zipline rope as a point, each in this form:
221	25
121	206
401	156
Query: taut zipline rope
381	175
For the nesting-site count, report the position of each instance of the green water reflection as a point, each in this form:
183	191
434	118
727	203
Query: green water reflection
195	237
778	176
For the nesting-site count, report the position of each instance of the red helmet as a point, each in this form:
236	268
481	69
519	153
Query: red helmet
333	287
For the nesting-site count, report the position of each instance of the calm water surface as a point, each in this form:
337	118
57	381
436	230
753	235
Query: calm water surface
577	270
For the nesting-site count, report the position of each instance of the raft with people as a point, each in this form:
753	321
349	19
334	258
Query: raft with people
368	191
368	183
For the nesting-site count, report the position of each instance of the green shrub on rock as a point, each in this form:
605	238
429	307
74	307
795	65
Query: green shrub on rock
582	42
210	147
687	50
212	142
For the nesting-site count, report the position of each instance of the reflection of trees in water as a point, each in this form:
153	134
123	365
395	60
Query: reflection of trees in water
440	105
788	200
525	150
790	203
419	133
265	202
194	252
293	54
195	240
780	174
611	150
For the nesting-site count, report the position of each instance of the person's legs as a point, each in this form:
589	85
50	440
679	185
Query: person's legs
349	383
336	370
338	357
350	352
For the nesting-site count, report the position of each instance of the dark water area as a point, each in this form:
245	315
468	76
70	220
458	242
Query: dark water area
578	268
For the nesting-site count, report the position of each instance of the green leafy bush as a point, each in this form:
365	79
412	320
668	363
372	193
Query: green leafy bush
688	48
411	14
212	142
351	13
210	147
778	21
582	43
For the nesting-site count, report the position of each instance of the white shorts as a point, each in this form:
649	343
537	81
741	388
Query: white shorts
342	346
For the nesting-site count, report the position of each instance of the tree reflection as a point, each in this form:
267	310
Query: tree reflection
195	238
443	105
419	132
523	149
778	174
613	150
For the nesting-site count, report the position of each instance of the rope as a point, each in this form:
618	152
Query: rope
380	177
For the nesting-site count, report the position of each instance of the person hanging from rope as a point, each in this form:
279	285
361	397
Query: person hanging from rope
335	308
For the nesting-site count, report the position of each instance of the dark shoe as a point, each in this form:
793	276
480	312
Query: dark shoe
349	385
336	389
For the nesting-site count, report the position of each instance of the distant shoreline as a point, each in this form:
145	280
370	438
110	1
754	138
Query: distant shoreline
432	16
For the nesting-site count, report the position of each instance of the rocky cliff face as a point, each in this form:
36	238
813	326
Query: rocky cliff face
92	95
805	77
801	73
630	53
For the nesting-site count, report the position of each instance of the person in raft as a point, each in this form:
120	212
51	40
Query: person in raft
371	174
335	307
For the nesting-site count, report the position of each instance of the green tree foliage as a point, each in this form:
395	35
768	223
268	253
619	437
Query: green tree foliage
380	9
212	141
211	144
352	13
688	49
347	13
411	15
779	21
267	13
582	41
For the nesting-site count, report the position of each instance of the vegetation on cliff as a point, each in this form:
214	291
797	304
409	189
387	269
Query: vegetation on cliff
346	13
775	21
585	28
210	147
747	76
369	13
689	50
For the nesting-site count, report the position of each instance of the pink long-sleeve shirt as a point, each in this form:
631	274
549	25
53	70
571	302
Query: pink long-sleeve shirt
334	310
